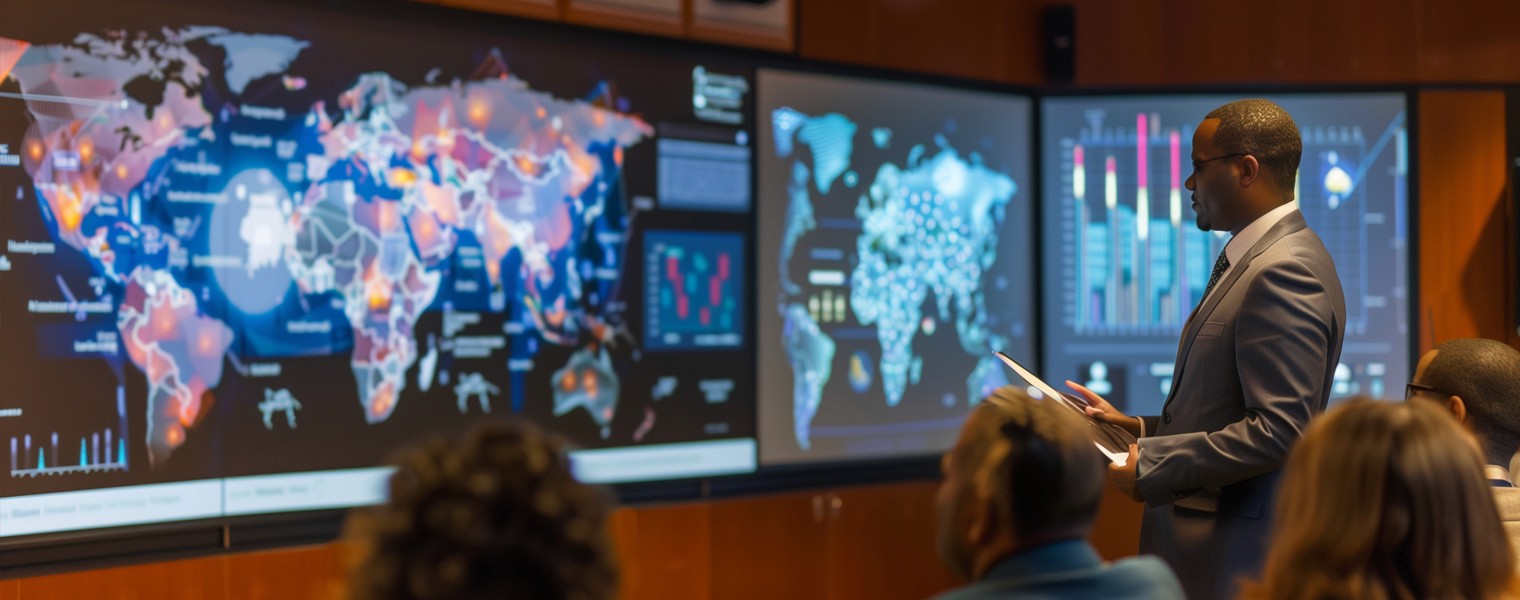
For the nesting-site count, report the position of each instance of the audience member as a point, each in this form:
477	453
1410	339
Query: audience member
1478	380
1386	501
1020	492
496	515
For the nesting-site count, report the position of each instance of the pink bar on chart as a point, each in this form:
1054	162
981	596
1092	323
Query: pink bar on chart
1175	141
1142	141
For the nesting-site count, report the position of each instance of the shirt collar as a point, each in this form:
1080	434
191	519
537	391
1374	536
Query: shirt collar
1496	473
1242	242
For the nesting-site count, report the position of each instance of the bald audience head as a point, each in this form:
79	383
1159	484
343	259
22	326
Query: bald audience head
1479	381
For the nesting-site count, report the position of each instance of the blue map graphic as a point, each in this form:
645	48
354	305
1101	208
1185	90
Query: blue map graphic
924	235
232	227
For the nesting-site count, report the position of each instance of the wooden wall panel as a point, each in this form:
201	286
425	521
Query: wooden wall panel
1197	41
769	26
536	9
882	543
1116	532
1469	40
1123	43
1164	42
1465	261
312	572
983	39
195	579
770	547
663	551
657	17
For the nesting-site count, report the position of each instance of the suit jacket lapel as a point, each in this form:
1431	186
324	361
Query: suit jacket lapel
1289	224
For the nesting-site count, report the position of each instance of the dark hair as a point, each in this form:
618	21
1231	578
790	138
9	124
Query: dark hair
1486	375
1384	501
1043	474
496	515
1264	130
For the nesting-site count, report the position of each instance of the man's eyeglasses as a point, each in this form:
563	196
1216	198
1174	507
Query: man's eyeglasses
1410	389
1198	163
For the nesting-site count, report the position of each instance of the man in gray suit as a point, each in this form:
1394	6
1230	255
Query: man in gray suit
1254	364
1478	380
1021	490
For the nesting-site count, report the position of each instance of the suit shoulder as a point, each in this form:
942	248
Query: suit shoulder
1303	245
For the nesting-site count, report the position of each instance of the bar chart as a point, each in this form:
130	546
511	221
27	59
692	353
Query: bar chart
1130	264
97	451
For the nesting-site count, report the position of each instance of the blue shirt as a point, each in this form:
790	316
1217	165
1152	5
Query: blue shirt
1071	570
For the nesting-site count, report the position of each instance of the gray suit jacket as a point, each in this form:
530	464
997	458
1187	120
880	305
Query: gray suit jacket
1254	364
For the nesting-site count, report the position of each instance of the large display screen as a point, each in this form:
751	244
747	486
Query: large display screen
249	251
894	258
1125	264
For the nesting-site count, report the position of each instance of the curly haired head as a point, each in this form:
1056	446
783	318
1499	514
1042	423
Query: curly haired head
496	515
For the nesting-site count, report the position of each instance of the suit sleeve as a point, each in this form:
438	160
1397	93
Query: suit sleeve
1282	339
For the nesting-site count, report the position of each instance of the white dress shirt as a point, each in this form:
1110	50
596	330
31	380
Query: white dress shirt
1236	248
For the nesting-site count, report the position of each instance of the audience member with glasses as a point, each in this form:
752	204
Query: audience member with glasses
1478	381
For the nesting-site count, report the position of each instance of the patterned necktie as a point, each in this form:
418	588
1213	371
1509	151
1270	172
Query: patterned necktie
1221	265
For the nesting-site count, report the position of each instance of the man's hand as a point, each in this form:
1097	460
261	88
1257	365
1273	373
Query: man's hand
1124	477
1101	410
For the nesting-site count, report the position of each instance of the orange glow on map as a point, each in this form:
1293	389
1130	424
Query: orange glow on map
34	149
588	382
121	171
402	177
478	110
164	321
86	150
380	404
69	214
174	435
188	410
584	164
205	342
527	166
377	290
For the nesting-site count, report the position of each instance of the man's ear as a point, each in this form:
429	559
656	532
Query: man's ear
983	524
1250	171
1457	407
